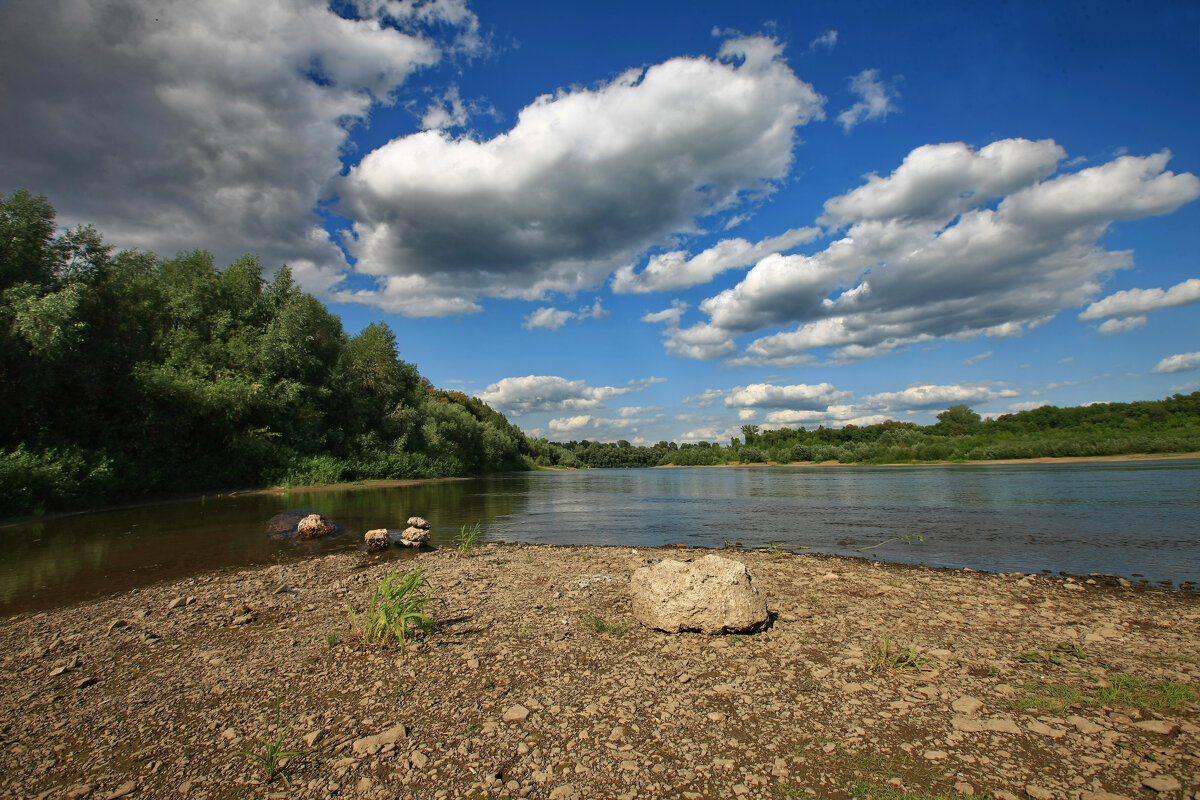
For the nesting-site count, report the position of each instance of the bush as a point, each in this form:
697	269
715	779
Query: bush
751	455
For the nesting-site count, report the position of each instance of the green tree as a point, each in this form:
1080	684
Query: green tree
957	420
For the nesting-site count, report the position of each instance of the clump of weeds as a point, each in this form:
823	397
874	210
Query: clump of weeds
468	539
904	659
398	609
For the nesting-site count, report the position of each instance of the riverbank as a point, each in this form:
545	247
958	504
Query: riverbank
539	683
1011	461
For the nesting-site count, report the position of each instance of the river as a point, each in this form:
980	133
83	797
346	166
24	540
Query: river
1139	520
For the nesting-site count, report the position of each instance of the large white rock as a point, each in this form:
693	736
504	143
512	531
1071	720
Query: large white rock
711	595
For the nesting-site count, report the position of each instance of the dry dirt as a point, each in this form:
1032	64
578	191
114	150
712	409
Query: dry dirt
538	683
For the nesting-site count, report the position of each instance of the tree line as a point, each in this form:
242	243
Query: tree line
1171	425
128	375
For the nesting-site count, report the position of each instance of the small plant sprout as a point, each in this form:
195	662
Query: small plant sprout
905	659
273	755
468	539
331	639
397	609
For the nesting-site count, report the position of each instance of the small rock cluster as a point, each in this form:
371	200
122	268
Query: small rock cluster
417	532
415	535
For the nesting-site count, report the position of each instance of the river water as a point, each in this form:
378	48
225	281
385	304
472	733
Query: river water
1139	520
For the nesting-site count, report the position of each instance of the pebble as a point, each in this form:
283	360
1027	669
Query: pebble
967	705
1163	783
515	713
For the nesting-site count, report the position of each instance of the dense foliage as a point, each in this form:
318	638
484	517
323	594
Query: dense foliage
127	375
1171	425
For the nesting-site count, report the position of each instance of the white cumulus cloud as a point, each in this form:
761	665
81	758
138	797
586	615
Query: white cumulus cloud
539	393
1139	302
549	318
678	270
584	181
925	255
876	100
828	40
554	318
1121	325
1178	363
798	396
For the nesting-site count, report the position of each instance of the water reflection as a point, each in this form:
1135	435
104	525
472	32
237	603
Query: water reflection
1119	518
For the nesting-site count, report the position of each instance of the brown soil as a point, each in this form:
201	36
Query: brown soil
538	683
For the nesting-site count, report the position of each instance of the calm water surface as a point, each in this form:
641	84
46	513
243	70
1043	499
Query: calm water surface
1140	520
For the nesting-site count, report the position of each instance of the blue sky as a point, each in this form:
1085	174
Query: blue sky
649	221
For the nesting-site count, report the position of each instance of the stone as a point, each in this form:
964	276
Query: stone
1039	793
126	788
515	713
1157	726
377	539
365	785
1084	726
711	595
314	526
370	745
1043	729
176	603
418	522
1102	795
414	537
418	759
564	792
1163	783
1001	726
967	706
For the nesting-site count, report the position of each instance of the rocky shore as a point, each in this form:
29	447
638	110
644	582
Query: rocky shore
872	680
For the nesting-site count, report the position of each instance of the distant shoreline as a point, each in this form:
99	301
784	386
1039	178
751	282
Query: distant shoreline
983	462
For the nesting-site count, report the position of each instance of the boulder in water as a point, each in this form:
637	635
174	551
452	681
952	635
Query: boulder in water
314	526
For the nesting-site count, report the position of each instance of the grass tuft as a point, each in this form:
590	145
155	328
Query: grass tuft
1133	691
468	539
397	609
904	659
272	754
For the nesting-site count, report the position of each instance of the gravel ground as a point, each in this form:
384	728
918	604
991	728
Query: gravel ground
539	683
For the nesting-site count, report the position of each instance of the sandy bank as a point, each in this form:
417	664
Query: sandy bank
540	684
